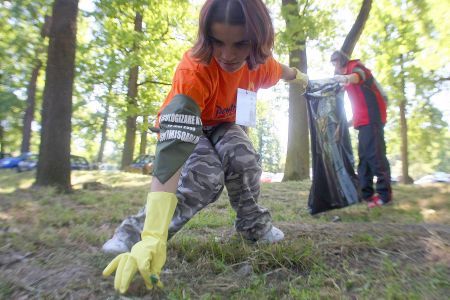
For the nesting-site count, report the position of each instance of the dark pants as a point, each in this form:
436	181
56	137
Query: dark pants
373	162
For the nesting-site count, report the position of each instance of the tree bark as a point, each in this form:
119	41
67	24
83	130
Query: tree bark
29	111
144	131
297	157
405	178
130	134
104	137
355	32
54	152
2	142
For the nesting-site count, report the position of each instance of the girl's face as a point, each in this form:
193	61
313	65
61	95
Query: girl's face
337	67
231	46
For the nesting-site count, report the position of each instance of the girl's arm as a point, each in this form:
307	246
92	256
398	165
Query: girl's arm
288	73
293	75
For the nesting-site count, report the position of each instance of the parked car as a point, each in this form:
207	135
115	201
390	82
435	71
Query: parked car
271	177
76	163
266	177
4	155
434	178
143	164
12	162
28	164
107	167
79	163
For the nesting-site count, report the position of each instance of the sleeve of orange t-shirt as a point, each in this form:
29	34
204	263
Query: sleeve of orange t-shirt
192	84
270	73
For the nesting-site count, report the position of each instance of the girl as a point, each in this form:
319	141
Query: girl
200	148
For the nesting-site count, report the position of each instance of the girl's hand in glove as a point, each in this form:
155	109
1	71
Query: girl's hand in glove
301	79
149	255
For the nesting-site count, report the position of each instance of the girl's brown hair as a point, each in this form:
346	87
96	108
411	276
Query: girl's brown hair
341	56
252	14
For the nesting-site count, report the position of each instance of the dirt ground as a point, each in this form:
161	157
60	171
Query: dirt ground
74	271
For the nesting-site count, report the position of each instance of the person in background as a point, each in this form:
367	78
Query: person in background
200	148
369	105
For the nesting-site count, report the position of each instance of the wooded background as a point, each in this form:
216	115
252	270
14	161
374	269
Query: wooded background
88	78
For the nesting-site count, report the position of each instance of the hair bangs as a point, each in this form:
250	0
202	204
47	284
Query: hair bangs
252	14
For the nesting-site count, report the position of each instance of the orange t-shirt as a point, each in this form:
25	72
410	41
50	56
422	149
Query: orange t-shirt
215	90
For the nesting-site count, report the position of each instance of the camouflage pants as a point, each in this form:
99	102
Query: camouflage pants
224	156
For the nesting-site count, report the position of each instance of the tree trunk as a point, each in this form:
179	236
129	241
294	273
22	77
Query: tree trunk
130	134
260	134
2	142
144	131
54	152
29	111
297	157
103	138
405	179
355	32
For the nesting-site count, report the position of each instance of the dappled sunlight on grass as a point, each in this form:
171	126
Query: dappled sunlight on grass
5	216
432	201
11	180
288	201
60	233
427	213
112	179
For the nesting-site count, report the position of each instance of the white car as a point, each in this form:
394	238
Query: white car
433	178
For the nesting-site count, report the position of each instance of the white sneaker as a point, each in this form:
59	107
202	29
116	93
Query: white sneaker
272	236
115	246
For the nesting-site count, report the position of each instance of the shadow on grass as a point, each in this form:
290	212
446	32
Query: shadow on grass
51	244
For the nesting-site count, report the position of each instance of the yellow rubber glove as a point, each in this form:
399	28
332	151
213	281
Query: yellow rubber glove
301	79
149	255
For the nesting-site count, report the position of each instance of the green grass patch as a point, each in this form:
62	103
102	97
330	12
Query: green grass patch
6	289
298	256
369	254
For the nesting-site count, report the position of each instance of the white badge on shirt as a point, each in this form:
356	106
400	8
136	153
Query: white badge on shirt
246	108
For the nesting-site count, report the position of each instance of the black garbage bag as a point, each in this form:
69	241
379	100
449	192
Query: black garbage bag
334	182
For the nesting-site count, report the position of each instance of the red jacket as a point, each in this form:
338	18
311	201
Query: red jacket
368	104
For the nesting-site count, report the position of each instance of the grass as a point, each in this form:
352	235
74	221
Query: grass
50	245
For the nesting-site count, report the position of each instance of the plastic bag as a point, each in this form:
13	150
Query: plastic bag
334	182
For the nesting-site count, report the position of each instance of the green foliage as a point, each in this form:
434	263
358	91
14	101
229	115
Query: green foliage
265	137
8	102
428	139
21	46
402	46
403	40
308	21
104	61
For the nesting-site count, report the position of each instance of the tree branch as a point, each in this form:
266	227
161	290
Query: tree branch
153	82
441	79
353	36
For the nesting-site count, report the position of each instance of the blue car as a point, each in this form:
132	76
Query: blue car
76	163
13	162
28	164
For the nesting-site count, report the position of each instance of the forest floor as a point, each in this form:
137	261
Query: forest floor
50	245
